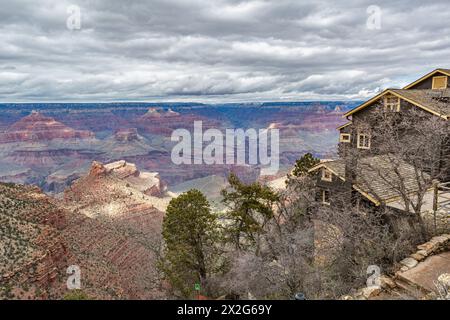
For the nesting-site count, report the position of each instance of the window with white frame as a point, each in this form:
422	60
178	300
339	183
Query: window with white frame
326	175
392	103
326	197
363	141
345	137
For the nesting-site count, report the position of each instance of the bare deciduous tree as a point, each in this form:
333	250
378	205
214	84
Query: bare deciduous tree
414	148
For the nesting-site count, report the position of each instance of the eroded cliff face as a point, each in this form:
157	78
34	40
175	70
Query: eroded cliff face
116	230
55	146
121	181
37	146
33	253
37	127
107	225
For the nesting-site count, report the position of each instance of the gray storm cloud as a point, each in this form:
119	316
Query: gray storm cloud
224	50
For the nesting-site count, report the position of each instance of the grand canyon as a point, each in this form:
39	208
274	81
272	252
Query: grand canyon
89	184
51	145
238	152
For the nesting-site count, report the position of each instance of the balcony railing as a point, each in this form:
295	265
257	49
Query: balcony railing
441	198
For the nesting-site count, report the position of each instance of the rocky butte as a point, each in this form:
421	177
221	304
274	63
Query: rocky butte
37	127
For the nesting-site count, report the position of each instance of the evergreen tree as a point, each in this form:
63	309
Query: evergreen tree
302	165
250	207
191	234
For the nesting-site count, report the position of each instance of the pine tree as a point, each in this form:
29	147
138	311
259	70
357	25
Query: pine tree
250	207
302	165
191	234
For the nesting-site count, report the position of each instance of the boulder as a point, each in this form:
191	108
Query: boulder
386	282
409	262
97	169
429	247
417	256
250	296
404	268
439	239
423	253
371	292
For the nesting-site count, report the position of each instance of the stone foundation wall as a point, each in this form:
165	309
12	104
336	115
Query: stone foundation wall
435	246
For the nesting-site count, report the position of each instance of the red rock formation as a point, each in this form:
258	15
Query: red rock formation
36	127
153	113
46	158
97	170
34	253
114	250
158	121
124	224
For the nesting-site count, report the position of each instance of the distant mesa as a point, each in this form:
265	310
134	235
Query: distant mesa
321	109
338	109
127	142
37	127
156	112
163	122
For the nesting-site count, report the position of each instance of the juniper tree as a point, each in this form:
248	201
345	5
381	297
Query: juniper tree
191	234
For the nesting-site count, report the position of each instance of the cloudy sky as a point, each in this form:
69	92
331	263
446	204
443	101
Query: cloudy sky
216	50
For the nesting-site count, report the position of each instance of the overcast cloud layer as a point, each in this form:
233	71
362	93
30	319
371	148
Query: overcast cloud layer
216	50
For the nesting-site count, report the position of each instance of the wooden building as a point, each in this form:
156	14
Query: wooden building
353	177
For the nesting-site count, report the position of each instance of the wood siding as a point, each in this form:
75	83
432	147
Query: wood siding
428	83
363	118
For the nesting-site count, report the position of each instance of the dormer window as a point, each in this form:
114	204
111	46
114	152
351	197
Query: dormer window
345	137
326	175
392	103
363	141
439	82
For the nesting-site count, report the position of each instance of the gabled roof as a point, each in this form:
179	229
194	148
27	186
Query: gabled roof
427	99
365	104
432	73
344	125
337	167
423	99
376	178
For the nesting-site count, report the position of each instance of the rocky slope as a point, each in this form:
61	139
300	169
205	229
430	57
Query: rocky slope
108	224
119	182
33	253
118	223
